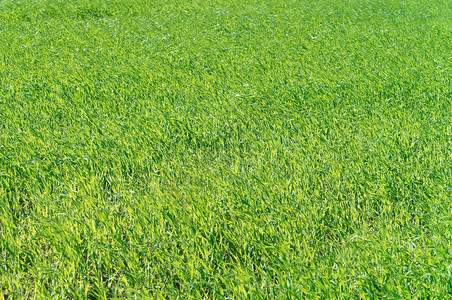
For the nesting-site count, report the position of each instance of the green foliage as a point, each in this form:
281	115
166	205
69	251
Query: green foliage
225	149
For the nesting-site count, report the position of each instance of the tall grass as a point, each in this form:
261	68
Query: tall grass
229	149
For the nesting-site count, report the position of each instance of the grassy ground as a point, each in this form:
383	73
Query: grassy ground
241	149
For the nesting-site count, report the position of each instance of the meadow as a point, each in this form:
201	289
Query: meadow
225	149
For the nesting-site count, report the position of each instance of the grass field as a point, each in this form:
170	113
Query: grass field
226	149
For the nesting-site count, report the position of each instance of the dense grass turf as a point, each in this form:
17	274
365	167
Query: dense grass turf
242	149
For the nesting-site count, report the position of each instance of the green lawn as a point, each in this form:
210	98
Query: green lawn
226	149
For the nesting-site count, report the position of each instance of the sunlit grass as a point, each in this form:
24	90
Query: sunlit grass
241	149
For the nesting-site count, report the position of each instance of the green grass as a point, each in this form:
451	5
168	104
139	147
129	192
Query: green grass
226	149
